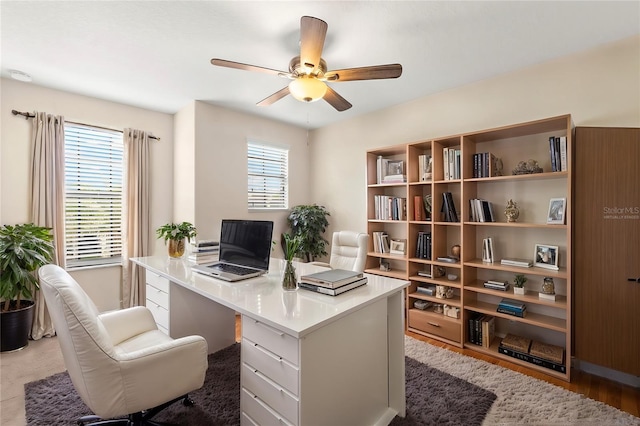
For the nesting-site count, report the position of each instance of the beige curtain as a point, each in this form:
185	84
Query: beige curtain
135	241
47	199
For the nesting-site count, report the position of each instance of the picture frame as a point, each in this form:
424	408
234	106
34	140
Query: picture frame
556	213
546	256
395	168
397	247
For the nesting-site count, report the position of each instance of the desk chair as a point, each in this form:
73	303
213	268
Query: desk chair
119	362
348	251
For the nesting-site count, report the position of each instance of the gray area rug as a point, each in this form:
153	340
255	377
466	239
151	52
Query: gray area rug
433	398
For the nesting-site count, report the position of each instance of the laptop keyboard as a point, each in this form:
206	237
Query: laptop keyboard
233	269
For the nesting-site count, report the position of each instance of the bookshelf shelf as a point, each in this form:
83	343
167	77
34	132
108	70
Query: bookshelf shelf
547	320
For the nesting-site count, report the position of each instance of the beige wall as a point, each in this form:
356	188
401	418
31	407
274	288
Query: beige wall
600	87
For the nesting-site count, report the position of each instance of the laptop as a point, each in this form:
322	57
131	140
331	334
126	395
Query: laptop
245	249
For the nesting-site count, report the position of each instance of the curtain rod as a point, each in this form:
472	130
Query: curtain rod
27	115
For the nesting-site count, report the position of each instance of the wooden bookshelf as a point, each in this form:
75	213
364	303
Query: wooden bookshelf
546	320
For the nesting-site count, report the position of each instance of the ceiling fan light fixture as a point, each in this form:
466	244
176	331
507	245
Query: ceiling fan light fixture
307	89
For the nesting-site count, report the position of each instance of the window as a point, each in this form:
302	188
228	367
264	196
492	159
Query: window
268	167
93	195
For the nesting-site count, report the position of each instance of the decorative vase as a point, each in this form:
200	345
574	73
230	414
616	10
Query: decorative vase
289	279
511	211
176	248
548	286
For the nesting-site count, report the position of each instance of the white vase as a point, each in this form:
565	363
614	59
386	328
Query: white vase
518	290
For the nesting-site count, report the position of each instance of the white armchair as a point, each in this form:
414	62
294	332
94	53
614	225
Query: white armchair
348	251
119	362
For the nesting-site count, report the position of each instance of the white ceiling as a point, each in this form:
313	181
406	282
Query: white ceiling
155	54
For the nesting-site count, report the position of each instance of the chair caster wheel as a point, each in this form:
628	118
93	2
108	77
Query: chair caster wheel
188	402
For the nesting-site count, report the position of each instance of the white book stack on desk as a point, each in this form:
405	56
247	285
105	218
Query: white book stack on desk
333	281
204	251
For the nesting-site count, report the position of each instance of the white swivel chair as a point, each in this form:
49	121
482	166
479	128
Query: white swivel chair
348	251
119	362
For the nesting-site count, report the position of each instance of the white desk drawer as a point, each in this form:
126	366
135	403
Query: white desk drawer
161	283
256	412
270	393
158	296
160	314
271	339
271	365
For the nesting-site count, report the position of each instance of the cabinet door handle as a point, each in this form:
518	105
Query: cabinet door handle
433	324
266	327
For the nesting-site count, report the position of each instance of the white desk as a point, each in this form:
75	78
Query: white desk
307	358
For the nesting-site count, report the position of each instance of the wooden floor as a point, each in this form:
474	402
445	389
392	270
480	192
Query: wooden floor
43	358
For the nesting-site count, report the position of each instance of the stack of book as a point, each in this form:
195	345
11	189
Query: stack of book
516	262
542	354
332	282
558	153
204	251
512	307
481	329
480	211
497	285
381	242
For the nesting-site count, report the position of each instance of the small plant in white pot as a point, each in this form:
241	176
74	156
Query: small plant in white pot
518	284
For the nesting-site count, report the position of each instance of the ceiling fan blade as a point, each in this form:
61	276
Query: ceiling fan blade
312	35
240	66
365	73
275	97
335	100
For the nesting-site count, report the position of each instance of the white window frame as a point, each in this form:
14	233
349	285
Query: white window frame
267	176
94	180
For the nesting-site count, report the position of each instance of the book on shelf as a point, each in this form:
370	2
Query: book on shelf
487	250
512	312
380	242
426	274
517	343
452	165
547	351
381	168
449	208
418	208
423	245
333	291
481	210
484	165
525	263
559	367
394	179
501	287
390	208
563	154
332	278
425	168
488	330
514	304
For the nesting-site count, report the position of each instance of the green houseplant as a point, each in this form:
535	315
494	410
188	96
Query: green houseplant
309	222
518	283
176	233
23	249
290	246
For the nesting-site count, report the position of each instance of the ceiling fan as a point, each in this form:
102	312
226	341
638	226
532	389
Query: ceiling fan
308	72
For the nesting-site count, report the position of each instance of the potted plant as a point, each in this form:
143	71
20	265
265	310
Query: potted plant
290	246
176	233
23	249
309	222
518	284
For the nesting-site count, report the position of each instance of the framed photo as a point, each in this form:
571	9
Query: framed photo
397	247
546	256
556	211
395	167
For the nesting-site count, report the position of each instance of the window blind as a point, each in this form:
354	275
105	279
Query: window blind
268	176
93	195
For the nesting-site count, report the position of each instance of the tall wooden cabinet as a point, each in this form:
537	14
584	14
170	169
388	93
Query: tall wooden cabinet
547	321
607	247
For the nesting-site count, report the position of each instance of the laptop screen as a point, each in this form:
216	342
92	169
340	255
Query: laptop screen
246	242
